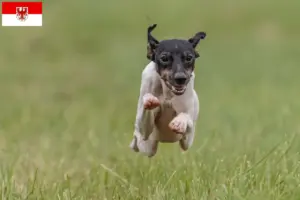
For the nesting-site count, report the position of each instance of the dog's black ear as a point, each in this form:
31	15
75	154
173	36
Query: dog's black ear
195	40
152	43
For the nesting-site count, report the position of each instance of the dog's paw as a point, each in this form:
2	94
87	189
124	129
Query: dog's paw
178	125
150	101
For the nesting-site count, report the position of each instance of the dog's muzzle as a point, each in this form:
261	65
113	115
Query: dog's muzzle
180	85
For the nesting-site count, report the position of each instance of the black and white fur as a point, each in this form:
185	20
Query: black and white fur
168	105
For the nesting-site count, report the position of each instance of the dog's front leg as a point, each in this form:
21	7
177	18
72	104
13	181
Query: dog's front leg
145	126
148	107
185	122
146	115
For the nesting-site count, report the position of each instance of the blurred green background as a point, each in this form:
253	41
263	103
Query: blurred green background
69	92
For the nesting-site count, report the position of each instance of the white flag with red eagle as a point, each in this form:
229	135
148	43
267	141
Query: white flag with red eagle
22	14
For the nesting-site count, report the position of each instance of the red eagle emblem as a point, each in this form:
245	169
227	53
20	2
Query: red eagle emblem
22	13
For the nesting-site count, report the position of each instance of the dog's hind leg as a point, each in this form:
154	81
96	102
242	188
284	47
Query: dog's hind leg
146	147
187	141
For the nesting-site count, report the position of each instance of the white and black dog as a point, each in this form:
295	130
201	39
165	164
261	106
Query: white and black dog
168	105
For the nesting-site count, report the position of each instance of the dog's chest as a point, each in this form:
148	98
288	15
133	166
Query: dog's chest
167	112
165	115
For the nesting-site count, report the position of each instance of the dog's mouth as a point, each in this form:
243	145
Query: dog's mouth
177	90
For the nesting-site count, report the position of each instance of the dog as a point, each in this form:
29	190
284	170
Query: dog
168	105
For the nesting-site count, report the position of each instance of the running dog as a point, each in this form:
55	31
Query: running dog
168	105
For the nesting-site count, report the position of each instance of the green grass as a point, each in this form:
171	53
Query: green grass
69	92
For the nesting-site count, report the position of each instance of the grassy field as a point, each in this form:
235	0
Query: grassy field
69	92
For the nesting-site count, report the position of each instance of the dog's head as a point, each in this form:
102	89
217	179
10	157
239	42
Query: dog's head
175	59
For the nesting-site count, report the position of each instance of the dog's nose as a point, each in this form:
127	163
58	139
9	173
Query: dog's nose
180	79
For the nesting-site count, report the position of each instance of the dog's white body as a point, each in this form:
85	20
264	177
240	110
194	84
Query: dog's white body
167	118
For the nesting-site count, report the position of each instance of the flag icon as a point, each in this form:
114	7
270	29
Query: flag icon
22	14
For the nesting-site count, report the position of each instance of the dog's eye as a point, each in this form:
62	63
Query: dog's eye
164	59
189	58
